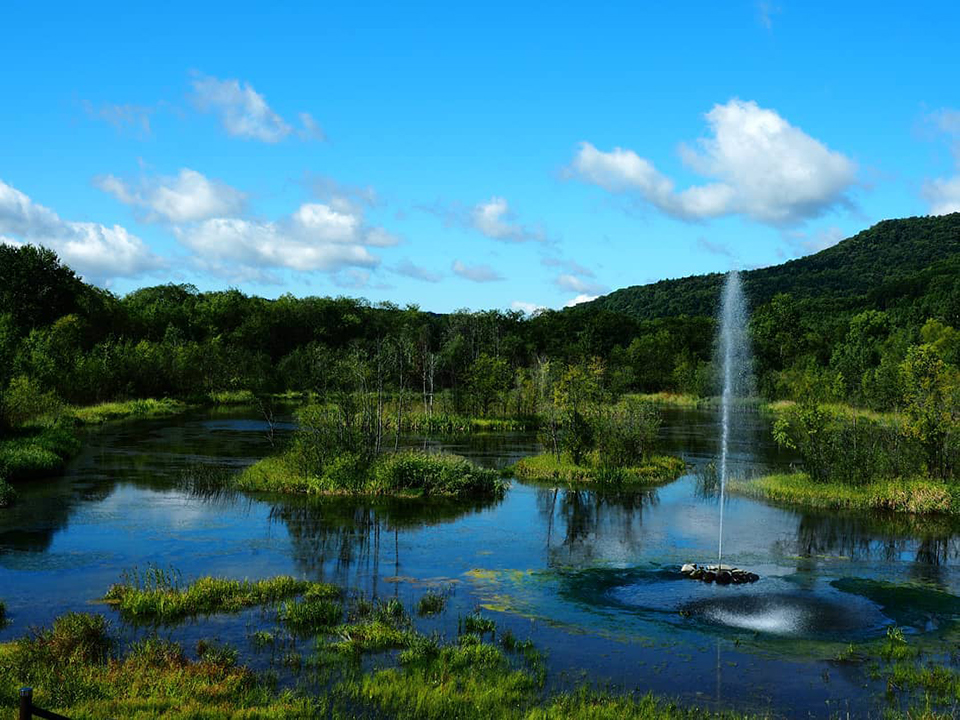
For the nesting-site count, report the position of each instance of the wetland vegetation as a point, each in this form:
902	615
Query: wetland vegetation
372	446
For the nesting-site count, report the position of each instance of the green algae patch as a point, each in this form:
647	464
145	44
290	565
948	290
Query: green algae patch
917	496
909	604
547	469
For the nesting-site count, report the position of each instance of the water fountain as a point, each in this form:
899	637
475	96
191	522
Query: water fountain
734	351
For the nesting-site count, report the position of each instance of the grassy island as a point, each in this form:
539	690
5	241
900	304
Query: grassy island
916	496
545	468
407	474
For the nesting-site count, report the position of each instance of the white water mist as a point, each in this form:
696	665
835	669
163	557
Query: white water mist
734	351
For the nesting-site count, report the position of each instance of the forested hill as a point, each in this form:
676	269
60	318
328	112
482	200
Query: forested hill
892	262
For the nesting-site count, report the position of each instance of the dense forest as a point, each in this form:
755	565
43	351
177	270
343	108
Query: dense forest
838	325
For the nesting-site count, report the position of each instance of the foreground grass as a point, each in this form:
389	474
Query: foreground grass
156	596
546	468
916	496
407	474
73	671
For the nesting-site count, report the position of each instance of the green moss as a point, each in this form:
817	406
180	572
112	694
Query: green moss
156	597
905	603
397	474
916	495
547	469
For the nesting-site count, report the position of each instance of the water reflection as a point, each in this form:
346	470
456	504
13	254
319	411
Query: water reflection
583	526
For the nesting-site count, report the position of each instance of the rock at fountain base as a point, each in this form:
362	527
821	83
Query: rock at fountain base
721	574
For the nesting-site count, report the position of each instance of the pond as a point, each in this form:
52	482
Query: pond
591	577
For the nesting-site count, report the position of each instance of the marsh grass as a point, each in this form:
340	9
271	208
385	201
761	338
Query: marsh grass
913	495
157	596
36	453
431	604
408	473
545	468
120	410
73	672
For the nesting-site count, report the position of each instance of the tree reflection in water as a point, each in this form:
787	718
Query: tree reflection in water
592	524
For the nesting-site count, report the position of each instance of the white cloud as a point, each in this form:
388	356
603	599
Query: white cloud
243	112
569	265
122	117
765	12
316	237
188	197
756	164
408	269
309	129
476	273
580	299
253	244
578	285
97	252
494	219
802	243
352	278
943	194
527	307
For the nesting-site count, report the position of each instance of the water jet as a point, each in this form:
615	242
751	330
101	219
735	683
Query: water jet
734	355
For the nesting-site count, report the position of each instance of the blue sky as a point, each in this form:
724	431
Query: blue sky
455	155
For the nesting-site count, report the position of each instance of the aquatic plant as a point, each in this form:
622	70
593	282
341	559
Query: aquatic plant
309	615
156	596
431	604
409	473
37	453
914	495
546	468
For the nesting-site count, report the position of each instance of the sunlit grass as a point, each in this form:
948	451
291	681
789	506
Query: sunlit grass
157	597
546	468
407	473
915	495
142	408
36	453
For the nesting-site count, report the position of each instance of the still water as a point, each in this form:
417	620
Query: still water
590	577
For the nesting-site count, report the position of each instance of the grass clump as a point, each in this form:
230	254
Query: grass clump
35	453
915	496
545	468
594	705
431	604
157	596
309	615
408	474
120	410
72	671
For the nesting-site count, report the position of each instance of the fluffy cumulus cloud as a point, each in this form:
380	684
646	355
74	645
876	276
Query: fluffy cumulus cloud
753	161
494	219
244	113
582	298
476	273
943	194
328	237
98	252
188	197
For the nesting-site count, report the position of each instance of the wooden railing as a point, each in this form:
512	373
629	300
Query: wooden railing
28	710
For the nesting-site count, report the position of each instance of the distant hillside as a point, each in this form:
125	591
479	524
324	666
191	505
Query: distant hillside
893	261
